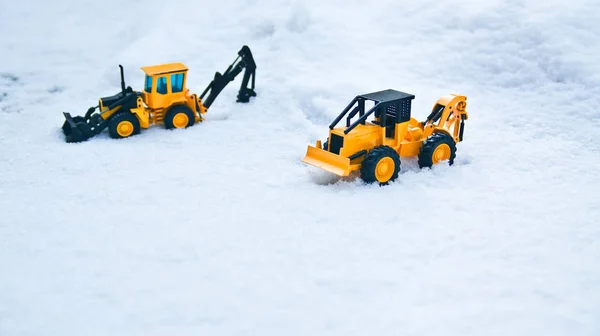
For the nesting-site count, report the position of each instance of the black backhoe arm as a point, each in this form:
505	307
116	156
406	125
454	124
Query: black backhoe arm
244	60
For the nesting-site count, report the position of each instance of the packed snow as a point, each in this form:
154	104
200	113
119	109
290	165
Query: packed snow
220	229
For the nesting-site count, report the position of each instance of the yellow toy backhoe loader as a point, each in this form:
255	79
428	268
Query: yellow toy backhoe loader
164	100
374	147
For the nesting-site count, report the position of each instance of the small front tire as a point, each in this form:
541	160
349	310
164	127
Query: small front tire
123	125
381	164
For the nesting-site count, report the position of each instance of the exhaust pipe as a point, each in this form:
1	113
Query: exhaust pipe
122	80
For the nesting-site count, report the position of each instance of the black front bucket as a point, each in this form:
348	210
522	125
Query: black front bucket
76	129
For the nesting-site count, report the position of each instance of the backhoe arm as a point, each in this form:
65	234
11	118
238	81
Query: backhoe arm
245	60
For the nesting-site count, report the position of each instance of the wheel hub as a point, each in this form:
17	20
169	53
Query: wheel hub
180	120
384	169
125	128
441	153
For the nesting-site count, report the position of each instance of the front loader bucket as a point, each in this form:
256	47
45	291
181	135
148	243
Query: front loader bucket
328	161
76	129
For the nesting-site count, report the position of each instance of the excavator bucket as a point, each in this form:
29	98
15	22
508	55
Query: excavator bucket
328	161
76	129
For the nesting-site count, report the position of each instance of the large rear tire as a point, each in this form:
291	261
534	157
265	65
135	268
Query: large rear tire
438	147
381	164
123	125
179	116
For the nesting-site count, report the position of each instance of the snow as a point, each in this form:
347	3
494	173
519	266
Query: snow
219	229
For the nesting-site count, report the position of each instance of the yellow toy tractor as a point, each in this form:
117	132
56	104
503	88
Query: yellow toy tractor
374	147
164	100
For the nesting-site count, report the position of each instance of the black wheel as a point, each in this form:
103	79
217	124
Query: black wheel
381	164
123	125
438	147
179	116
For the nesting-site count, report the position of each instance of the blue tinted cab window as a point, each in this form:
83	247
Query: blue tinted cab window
148	86
161	85
177	82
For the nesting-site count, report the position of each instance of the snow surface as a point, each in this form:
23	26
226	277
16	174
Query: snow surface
219	229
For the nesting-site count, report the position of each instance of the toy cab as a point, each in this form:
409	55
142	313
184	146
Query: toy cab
165	85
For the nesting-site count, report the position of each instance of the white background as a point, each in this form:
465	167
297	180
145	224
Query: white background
219	229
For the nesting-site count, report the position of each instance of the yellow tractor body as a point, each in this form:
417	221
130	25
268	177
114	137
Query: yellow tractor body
164	88
374	146
165	99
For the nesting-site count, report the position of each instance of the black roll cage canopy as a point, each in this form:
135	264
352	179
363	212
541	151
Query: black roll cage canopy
383	100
